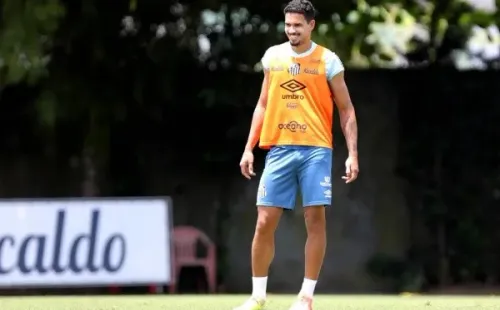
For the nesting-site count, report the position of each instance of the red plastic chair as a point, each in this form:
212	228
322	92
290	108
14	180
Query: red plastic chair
185	240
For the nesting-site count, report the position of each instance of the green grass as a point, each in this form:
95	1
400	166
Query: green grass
222	302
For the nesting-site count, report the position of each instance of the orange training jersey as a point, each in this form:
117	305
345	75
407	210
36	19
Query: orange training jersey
299	105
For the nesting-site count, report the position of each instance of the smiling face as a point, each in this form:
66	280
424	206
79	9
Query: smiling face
297	29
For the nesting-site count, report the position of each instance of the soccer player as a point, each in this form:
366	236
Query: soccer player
293	120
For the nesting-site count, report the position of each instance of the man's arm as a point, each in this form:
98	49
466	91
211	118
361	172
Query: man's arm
258	114
347	113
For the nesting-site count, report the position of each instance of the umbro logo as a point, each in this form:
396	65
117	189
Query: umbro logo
292	86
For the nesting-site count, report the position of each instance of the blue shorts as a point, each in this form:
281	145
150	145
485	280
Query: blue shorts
290	168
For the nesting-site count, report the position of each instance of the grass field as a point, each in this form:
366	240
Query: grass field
221	302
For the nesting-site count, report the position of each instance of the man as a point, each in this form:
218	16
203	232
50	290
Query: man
293	119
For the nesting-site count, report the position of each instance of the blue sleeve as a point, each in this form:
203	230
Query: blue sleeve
333	64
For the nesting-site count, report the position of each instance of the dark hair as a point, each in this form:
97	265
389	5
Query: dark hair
303	7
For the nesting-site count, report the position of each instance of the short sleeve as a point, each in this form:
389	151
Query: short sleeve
333	64
266	59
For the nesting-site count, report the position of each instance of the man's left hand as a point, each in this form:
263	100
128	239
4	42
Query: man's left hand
351	169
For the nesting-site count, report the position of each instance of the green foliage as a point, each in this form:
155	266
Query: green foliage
403	33
26	38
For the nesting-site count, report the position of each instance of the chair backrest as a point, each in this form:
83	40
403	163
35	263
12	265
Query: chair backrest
185	241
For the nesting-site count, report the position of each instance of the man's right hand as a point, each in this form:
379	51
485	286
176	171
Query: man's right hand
246	165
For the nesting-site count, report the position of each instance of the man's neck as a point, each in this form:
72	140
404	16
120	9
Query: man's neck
302	48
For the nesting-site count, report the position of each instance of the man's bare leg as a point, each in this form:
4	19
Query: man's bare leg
262	255
315	247
263	248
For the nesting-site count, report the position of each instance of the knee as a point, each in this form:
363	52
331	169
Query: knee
267	222
315	220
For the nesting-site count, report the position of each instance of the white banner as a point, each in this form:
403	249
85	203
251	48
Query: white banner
85	242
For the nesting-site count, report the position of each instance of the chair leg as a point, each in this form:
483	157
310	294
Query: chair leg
172	288
211	278
175	277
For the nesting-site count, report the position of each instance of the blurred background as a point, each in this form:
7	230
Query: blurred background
154	98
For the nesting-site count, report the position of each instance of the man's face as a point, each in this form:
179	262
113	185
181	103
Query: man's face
297	28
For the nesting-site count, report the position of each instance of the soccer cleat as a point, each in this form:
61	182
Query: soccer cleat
302	303
252	304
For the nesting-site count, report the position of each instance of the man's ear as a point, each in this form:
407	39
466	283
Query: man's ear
312	24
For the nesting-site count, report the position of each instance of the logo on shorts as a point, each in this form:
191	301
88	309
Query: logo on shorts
262	191
326	183
328	193
293	126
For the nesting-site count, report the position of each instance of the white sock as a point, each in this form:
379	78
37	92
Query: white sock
259	287
308	287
